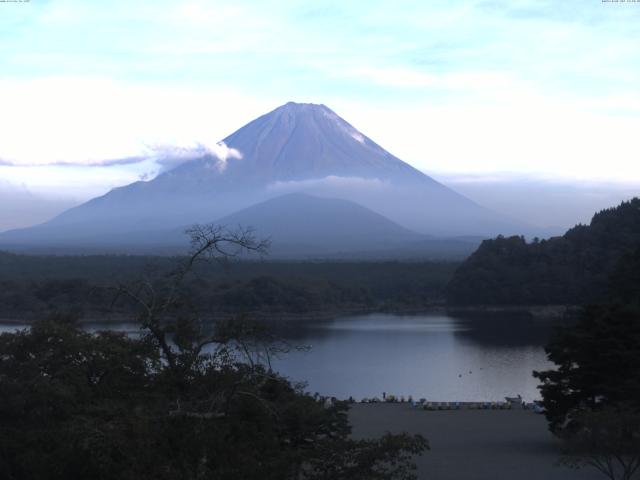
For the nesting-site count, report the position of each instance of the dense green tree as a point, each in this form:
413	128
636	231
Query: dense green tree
597	358
571	269
592	397
625	281
597	364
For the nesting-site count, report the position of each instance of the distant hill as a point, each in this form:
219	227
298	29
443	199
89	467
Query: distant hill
571	269
300	225
304	148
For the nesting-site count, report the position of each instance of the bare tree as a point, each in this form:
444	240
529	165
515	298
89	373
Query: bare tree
163	309
181	336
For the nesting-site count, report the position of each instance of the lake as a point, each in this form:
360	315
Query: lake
435	356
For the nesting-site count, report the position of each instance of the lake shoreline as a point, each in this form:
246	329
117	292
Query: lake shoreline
536	312
430	355
274	317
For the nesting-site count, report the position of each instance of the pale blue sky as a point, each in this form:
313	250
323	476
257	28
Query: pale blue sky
545	88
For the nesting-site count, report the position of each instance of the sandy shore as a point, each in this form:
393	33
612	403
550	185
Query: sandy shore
472	444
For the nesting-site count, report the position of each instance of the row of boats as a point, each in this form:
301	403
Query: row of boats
509	404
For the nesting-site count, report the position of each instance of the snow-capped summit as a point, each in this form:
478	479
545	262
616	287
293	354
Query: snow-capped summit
303	141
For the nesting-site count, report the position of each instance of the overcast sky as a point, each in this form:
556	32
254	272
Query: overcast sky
545	89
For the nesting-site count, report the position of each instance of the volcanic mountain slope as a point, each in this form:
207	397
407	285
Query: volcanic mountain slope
305	141
301	225
320	224
294	148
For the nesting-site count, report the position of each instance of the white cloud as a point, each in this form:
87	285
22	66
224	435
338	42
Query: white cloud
544	201
87	120
329	181
476	81
224	154
77	182
171	155
515	129
479	86
508	126
20	207
391	76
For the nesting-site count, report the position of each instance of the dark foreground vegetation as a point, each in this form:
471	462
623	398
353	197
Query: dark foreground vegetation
182	401
31	285
78	406
573	269
592	398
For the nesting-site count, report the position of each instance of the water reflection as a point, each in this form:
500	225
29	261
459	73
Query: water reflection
439	357
435	356
504	329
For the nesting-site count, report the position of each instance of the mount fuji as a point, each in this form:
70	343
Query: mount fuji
296	148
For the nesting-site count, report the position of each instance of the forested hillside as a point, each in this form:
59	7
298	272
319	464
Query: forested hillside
571	269
31	285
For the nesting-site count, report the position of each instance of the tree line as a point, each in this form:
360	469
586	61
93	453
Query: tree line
33	285
572	269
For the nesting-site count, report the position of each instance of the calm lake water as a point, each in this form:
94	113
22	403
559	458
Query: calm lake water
435	356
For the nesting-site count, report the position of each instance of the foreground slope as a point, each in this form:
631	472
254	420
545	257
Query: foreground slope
473	444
